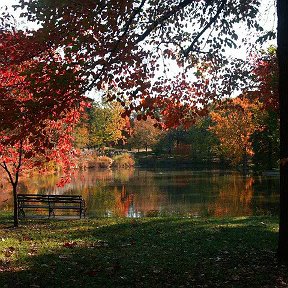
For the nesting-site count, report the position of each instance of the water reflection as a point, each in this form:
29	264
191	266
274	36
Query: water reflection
137	193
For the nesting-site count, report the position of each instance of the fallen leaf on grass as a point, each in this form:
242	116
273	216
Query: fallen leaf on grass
33	251
8	252
26	238
70	244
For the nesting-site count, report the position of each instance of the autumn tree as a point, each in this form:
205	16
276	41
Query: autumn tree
109	40
264	89
171	138
204	144
144	134
81	136
266	142
30	134
265	79
25	154
234	124
105	124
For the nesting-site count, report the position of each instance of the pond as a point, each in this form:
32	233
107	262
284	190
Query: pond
137	192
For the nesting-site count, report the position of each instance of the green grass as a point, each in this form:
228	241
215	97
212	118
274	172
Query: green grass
148	252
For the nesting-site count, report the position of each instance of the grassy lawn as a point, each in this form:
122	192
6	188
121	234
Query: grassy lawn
148	252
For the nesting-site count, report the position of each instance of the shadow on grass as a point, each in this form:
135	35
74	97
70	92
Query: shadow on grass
152	253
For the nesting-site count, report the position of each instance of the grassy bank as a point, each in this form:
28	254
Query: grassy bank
150	252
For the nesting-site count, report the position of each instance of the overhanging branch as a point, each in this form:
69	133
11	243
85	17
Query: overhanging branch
190	48
161	19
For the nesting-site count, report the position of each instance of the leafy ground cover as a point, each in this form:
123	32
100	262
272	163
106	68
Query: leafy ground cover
147	252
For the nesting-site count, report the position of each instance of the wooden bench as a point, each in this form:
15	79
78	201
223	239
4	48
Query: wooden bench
50	203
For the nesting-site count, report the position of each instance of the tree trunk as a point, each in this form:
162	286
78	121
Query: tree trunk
245	163
16	221
270	154
282	54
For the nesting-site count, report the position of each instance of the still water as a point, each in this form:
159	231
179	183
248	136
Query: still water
137	193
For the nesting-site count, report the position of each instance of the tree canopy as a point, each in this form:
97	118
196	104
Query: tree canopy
118	44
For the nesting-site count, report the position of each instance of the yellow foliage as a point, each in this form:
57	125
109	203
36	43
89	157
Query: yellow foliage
234	124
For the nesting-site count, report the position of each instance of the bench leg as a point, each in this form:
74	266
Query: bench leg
51	212
21	213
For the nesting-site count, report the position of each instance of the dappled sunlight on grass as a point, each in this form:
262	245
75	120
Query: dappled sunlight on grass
146	252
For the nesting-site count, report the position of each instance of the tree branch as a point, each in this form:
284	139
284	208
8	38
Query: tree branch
5	167
190	48
114	49
161	19
135	12
18	167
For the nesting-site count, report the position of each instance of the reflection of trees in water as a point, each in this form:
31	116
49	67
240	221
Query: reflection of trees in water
41	184
99	190
234	198
124	203
215	193
191	193
133	195
121	193
246	196
267	197
146	192
128	192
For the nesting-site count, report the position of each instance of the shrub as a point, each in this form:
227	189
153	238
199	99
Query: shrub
91	160
104	162
123	161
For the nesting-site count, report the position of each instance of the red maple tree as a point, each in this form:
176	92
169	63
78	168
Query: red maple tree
36	127
266	79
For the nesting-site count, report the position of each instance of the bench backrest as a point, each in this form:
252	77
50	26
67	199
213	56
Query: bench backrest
49	198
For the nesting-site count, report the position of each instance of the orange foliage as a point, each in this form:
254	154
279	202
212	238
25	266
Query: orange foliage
234	124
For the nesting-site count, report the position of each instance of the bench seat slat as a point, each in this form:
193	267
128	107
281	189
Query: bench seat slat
67	207
34	206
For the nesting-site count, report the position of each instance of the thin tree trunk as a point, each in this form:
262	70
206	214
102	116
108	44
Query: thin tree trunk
270	154
282	54
245	162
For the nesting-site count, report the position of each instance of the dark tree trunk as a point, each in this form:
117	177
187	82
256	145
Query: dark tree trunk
16	221
245	162
282	54
270	154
